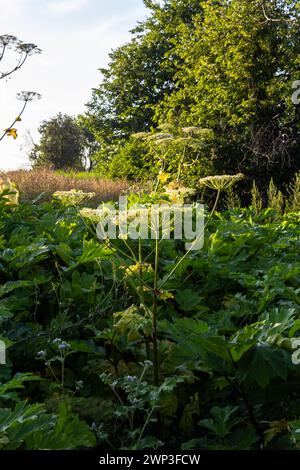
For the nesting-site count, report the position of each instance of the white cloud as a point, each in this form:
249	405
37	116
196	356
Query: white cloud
63	7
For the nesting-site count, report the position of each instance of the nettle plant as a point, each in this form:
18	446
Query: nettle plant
8	44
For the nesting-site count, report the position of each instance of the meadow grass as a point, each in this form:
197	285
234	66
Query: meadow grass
42	183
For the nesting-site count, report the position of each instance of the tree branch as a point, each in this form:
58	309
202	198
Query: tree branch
273	20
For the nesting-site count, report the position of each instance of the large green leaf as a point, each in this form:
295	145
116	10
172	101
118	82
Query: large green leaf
263	363
69	432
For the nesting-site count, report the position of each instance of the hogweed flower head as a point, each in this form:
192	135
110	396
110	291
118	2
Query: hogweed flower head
28	48
220	182
160	136
164	141
73	197
177	193
199	131
28	96
8	40
140	135
90	214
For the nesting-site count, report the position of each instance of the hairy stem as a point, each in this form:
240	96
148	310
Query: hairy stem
154	319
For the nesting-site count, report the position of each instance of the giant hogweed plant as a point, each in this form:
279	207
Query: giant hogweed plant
177	151
143	276
144	320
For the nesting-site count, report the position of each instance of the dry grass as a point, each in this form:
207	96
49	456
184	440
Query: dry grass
42	183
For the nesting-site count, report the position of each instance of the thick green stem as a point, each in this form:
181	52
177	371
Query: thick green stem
154	313
63	373
180	165
141	269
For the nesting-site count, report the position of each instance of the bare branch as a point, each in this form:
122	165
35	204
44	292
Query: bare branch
273	20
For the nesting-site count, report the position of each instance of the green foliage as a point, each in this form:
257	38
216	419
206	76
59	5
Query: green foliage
184	153
222	422
294	195
256	199
31	425
77	317
275	198
133	161
18	424
228	80
227	66
68	432
232	199
139	75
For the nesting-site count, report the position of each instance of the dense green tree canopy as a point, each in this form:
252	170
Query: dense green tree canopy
139	76
236	78
226	65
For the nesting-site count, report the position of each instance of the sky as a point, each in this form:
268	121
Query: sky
76	37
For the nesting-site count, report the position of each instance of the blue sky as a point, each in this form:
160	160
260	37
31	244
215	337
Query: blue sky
76	37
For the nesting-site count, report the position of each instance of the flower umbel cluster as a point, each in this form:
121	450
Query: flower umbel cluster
220	182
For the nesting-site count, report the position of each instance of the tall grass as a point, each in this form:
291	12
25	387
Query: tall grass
42	183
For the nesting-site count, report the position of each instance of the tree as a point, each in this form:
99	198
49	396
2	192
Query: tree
235	77
139	75
61	145
23	51
223	65
91	146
